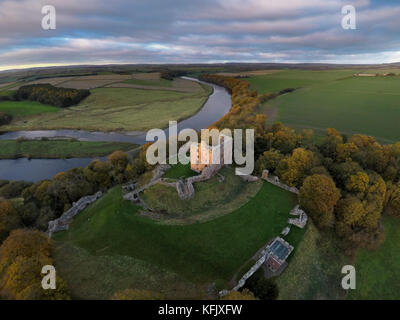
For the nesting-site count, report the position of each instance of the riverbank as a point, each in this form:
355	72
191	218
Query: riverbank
59	149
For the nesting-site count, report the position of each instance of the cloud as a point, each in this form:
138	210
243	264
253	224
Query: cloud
174	31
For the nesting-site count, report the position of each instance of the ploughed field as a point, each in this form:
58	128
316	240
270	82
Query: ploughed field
335	98
117	103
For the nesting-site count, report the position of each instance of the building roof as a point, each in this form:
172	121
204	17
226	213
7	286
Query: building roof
279	249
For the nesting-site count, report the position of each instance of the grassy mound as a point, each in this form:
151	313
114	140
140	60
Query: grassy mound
212	198
200	252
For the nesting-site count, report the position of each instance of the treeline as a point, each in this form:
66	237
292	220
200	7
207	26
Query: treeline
245	104
345	183
48	94
171	74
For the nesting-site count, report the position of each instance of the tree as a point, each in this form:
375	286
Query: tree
269	160
263	289
393	199
294	169
9	219
245	294
136	294
318	196
358	182
22	256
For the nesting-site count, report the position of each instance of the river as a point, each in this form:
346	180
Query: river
217	105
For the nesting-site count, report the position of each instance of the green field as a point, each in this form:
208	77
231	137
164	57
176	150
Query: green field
11	149
280	80
97	277
25	108
367	105
158	82
119	109
378	271
314	271
200	252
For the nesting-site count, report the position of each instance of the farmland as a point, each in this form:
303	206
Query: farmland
11	149
117	109
21	109
368	105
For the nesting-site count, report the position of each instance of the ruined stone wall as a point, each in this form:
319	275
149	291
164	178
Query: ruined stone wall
62	223
275	181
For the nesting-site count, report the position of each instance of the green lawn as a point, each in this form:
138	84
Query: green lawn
200	252
119	109
378	272
10	149
179	170
25	108
99	277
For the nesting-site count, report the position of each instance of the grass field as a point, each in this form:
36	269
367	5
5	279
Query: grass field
378	271
159	82
11	149
314	271
20	109
99	277
200	252
119	109
212	198
367	105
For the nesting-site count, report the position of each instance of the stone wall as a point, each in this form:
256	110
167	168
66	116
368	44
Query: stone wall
62	223
275	181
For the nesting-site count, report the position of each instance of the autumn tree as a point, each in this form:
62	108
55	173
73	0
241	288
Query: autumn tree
318	196
22	257
294	168
392	199
357	182
9	219
269	160
136	294
245	294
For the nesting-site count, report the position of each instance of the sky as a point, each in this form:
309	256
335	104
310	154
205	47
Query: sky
197	31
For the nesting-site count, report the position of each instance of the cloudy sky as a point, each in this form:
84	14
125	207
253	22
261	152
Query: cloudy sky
197	31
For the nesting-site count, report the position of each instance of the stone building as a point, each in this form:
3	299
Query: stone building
277	253
203	155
